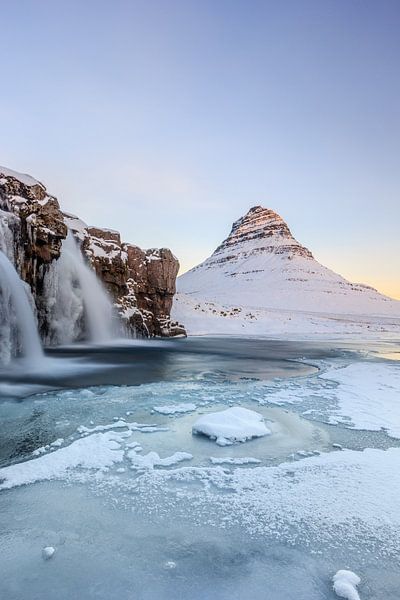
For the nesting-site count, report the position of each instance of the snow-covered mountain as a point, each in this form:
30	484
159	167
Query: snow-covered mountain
260	266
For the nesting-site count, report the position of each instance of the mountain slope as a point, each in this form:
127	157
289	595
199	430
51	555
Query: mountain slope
261	266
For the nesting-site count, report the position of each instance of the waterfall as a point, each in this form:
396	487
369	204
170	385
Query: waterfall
8	222
18	330
78	302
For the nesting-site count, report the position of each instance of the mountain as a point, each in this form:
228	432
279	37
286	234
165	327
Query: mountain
260	266
33	236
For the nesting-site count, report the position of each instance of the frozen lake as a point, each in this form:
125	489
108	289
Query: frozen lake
98	460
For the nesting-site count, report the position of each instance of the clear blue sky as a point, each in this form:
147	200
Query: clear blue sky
168	119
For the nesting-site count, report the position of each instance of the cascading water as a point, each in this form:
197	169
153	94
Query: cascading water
18	330
78	301
7	222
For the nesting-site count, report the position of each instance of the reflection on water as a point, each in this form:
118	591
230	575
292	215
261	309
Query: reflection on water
217	359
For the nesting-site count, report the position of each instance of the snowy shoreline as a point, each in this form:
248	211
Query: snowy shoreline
209	318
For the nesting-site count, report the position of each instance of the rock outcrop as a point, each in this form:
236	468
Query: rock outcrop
32	229
36	220
141	282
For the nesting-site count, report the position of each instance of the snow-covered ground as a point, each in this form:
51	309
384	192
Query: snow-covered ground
208	317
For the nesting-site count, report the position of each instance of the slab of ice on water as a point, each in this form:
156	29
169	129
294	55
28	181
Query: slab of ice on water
345	584
234	424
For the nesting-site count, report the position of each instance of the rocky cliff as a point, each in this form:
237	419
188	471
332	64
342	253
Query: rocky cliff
141	282
33	228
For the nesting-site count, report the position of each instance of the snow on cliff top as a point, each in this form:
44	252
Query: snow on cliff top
22	177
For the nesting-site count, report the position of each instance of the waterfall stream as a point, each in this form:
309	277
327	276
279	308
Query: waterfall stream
80	306
18	330
98	307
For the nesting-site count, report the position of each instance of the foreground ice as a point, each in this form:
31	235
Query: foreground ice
345	584
106	552
234	424
319	495
320	505
233	522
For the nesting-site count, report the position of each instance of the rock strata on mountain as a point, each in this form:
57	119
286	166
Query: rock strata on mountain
32	230
261	273
260	231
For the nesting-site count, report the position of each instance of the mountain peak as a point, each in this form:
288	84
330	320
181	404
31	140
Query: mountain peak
262	229
260	265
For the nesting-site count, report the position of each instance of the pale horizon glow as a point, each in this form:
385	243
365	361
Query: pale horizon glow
168	121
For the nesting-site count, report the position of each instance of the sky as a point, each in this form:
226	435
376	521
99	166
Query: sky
167	120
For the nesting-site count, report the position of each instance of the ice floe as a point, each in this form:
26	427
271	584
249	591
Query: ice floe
235	424
345	584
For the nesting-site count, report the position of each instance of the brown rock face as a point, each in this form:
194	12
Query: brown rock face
152	276
41	223
141	282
